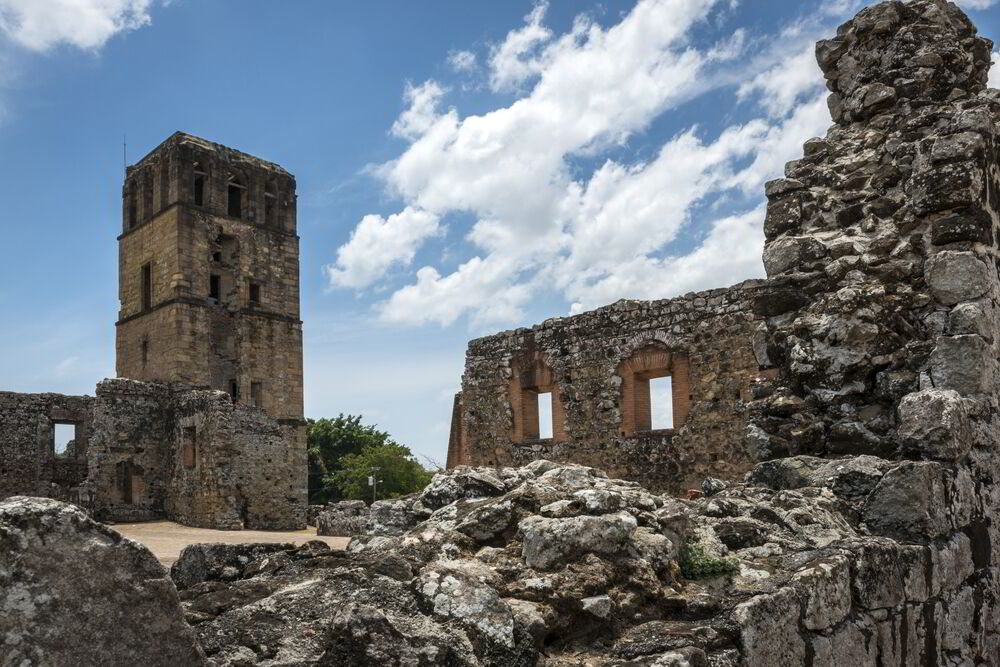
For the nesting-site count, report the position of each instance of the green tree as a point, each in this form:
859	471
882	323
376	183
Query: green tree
329	440
397	471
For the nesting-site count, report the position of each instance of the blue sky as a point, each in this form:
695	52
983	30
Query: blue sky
463	167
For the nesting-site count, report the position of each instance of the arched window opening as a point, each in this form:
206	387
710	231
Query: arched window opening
536	403
655	390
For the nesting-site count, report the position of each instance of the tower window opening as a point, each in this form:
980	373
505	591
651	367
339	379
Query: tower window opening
235	191
217	256
256	394
255	294
133	209
214	287
199	190
234	390
270	204
147	286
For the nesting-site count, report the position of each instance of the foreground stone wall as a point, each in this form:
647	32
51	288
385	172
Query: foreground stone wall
881	249
715	347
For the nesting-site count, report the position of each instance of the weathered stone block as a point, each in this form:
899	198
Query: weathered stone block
962	363
74	592
935	424
769	630
827	588
957	276
913	501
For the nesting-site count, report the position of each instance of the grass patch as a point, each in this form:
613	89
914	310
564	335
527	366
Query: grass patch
696	563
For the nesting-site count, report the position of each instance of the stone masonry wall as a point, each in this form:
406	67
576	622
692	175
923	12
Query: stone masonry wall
146	451
716	336
247	470
29	464
882	318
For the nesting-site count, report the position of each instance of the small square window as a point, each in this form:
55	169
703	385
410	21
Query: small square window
216	256
63	435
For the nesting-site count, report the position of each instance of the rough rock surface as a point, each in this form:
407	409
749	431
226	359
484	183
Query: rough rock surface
74	592
559	565
344	519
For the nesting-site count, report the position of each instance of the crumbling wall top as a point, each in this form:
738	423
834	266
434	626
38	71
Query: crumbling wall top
922	51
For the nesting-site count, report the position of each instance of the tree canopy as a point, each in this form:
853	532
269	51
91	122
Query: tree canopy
397	472
342	452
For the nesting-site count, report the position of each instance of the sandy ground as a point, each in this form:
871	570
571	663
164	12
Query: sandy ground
166	539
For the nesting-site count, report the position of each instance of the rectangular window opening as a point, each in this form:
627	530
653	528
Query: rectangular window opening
545	424
189	446
145	353
269	206
214	287
256	394
63	435
661	403
147	286
235	201
255	294
133	209
199	190
234	390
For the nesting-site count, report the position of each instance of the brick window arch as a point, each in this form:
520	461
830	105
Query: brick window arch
529	379
648	363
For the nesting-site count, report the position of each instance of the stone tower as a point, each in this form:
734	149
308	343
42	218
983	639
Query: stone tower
209	275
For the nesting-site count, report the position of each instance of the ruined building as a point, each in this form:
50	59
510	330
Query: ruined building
597	369
208	428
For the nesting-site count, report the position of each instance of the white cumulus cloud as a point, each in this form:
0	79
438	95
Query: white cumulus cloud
622	227
421	111
379	243
462	61
40	25
518	57
994	81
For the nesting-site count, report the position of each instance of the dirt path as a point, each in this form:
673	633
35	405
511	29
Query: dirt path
166	539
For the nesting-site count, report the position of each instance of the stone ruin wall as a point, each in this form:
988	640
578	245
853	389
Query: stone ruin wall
715	349
146	451
29	464
881	248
